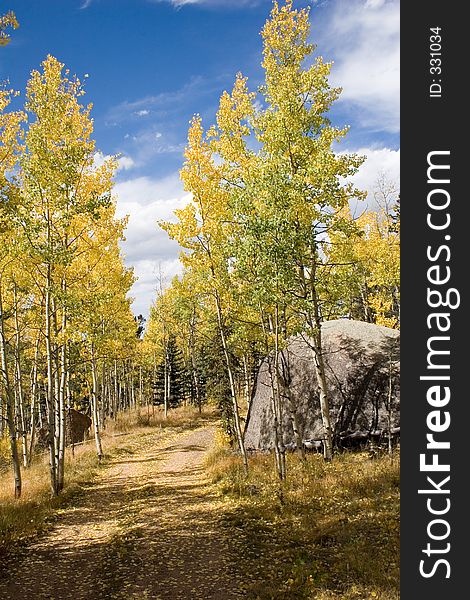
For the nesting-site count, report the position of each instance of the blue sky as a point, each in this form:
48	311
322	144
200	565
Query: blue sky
149	65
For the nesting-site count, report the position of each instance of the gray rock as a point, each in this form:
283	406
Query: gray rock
358	357
77	427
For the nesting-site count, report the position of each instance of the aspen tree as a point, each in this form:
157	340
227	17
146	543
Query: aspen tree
103	315
10	129
7	20
303	175
202	230
366	266
62	193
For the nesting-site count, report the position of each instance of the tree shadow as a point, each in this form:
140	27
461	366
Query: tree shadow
167	544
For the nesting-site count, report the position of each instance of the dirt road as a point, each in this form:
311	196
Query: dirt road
148	529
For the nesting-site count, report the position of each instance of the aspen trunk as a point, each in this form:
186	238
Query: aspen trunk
273	401
314	322
154	382
131	384
168	389
277	394
69	414
165	384
196	385
42	410
116	390
121	392
319	366
275	413
104	395
50	399
34	395
389	409
21	422
62	413
19	383
247	387
236	413
56	355
62	391
94	396
193	363
9	405
286	377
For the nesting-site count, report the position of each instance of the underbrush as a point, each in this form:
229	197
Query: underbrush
330	531
187	417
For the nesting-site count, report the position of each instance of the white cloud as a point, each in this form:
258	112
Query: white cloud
363	36
124	163
149	143
142	113
180	3
224	3
374	3
147	247
144	289
380	163
169	149
162	105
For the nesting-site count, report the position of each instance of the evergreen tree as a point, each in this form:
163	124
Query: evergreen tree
170	376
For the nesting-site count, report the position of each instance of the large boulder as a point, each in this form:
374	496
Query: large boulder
362	371
76	429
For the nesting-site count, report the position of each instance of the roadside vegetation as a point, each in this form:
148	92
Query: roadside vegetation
270	249
331	530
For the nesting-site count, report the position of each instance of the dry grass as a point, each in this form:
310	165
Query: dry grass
24	518
184	417
330	531
31	514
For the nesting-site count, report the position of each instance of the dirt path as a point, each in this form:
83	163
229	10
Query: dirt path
148	529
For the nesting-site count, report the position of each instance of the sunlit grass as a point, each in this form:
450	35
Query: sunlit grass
27	516
330	531
186	417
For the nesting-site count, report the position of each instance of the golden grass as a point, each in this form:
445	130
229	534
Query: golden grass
29	515
187	417
329	531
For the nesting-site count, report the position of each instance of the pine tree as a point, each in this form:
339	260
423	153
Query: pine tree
169	378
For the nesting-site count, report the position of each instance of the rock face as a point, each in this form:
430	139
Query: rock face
76	429
361	360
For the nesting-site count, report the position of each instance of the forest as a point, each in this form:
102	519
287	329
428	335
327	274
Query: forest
275	240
